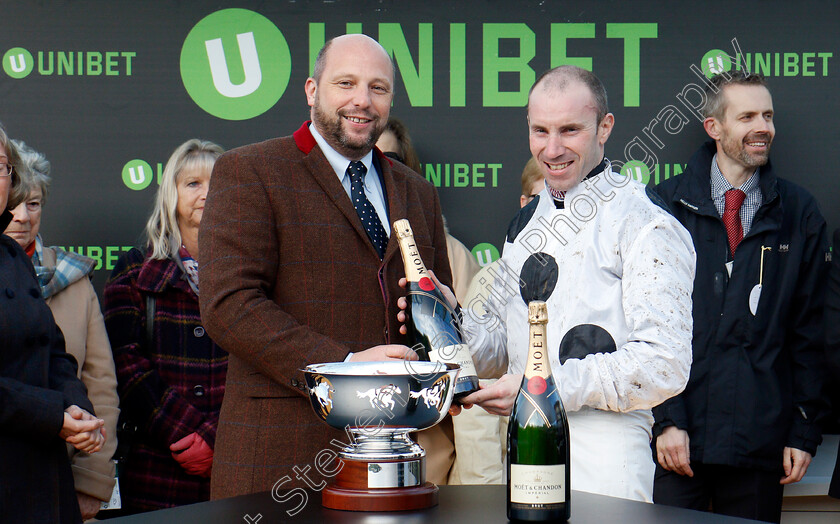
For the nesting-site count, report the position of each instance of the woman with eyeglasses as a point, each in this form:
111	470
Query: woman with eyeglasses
42	402
171	375
64	279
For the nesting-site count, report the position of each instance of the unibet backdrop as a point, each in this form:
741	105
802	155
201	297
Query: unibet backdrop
108	89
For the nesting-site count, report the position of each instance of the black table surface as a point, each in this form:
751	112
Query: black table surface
458	504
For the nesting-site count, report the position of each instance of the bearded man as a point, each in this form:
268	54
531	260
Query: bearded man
299	268
747	422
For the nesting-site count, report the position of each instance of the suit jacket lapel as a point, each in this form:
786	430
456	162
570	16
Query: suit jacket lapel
323	173
395	189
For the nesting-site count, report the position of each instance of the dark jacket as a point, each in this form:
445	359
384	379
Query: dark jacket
172	389
832	349
755	381
37	383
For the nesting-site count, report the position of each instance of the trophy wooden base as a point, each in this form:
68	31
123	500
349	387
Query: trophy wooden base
379	499
380	486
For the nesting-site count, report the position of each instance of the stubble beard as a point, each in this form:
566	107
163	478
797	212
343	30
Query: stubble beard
738	151
333	132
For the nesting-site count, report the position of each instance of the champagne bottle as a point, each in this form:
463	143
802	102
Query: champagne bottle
433	326
538	486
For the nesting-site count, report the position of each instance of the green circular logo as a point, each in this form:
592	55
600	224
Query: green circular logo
235	64
637	170
715	62
18	62
137	174
485	253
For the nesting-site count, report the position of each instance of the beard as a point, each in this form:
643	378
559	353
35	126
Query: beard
333	132
737	149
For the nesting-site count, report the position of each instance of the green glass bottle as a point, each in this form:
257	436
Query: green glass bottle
434	328
538	487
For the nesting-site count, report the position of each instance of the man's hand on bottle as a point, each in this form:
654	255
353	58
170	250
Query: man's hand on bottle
497	398
672	451
384	352
402	303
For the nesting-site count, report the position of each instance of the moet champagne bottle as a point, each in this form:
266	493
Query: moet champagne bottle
538	436
433	326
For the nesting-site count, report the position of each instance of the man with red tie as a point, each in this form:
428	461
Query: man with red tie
748	421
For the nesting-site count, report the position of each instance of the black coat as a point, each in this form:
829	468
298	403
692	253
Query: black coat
832	347
755	381
37	382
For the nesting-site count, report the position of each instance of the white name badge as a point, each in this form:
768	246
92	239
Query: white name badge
116	501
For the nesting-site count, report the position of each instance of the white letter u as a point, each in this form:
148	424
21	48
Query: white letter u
250	64
133	176
18	68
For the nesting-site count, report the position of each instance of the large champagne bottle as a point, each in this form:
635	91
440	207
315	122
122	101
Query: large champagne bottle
433	326
538	436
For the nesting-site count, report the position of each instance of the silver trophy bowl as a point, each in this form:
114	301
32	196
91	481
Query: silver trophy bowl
379	403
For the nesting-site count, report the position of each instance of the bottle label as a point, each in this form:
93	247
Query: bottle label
542	484
537	364
455	354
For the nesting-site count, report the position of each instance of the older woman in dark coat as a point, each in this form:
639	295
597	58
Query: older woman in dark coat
172	382
42	403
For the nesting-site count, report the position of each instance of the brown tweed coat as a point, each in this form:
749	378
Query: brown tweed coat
289	278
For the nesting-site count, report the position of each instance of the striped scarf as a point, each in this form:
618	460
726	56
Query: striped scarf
69	268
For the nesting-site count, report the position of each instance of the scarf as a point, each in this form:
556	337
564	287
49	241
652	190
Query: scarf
69	268
190	267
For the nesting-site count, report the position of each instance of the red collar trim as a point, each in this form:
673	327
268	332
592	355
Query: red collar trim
304	139
306	142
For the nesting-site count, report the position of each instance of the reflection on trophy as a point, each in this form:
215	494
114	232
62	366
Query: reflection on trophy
377	404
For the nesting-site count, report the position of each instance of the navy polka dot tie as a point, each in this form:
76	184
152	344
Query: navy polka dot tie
370	220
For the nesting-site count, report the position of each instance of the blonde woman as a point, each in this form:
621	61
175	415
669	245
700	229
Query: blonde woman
171	375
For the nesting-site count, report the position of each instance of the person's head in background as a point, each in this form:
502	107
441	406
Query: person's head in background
26	216
395	142
13	187
179	204
533	182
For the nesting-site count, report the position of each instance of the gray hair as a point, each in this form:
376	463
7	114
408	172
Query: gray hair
715	106
559	78
162	231
37	167
321	61
19	190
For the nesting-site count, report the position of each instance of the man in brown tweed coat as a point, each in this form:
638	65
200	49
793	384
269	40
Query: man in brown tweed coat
290	276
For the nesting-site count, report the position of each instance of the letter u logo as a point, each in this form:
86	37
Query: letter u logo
17	63
484	257
250	64
133	175
716	68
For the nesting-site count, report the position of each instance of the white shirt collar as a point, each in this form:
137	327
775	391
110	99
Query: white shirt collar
338	162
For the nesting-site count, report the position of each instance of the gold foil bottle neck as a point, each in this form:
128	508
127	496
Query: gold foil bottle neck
537	312
403	229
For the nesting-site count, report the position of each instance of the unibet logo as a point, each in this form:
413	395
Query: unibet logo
485	253
235	64
137	174
637	170
715	62
18	62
